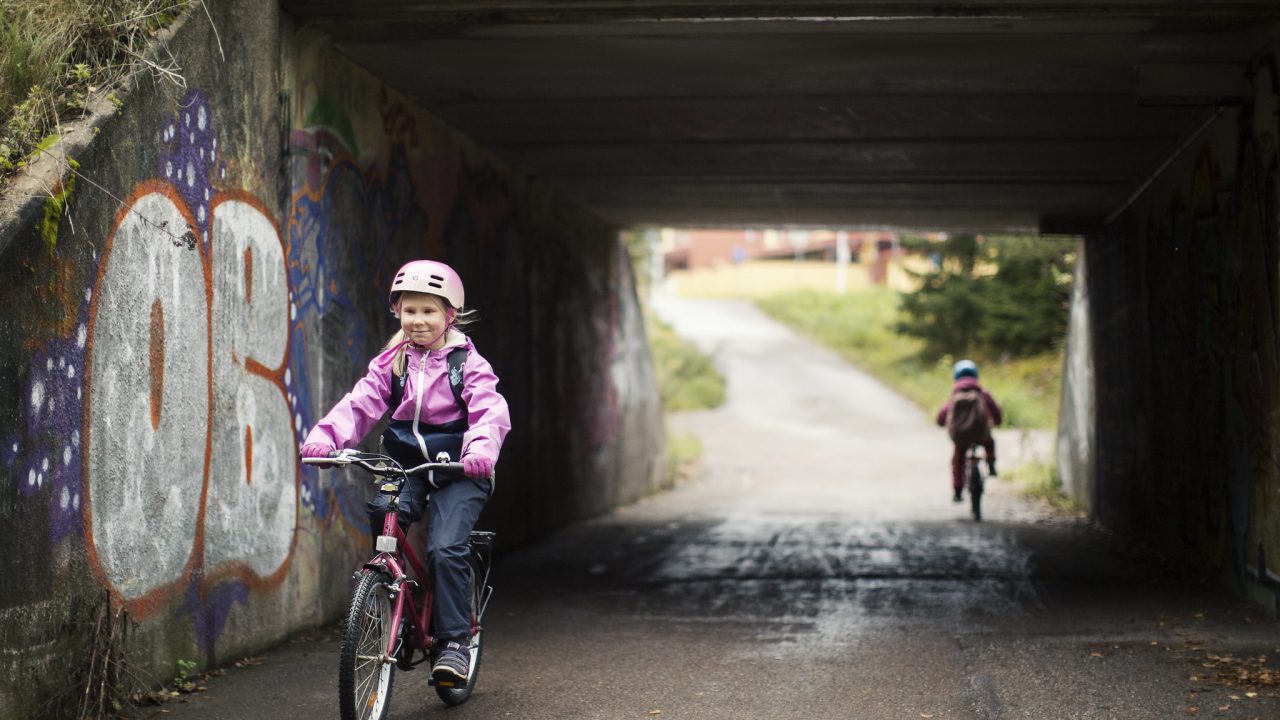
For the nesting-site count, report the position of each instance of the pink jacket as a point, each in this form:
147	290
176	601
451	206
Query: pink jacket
426	393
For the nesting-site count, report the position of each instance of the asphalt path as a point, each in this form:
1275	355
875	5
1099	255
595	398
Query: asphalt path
815	567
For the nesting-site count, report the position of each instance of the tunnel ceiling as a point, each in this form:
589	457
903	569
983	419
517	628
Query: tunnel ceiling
992	115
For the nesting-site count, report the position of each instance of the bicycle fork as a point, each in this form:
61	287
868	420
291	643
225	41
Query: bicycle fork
401	605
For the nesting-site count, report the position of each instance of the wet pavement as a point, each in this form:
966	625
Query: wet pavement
815	567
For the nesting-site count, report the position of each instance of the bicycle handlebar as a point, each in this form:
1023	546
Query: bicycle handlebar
385	467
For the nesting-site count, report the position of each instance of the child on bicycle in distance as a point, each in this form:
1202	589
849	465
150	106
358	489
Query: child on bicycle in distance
968	415
429	417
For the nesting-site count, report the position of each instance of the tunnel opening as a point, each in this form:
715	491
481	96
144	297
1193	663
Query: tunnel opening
1034	119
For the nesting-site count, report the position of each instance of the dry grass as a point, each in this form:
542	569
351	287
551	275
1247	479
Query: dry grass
55	55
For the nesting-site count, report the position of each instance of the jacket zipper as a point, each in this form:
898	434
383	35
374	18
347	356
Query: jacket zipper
417	408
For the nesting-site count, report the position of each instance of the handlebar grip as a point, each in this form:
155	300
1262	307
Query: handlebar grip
333	459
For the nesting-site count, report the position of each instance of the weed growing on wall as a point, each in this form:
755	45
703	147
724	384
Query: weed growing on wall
55	55
104	685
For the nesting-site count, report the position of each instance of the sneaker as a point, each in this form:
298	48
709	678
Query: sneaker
991	468
453	662
958	497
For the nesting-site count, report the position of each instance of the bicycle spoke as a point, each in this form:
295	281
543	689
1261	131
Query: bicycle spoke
363	691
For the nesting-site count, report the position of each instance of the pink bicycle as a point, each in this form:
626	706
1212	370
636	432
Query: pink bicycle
388	624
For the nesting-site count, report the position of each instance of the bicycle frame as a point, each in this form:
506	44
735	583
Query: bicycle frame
975	454
407	622
394	552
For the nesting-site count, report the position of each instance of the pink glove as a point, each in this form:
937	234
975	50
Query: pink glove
318	450
477	466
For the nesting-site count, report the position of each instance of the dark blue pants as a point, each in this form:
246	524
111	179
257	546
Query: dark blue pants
451	516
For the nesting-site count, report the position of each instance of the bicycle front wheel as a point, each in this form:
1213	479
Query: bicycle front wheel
458	694
364	680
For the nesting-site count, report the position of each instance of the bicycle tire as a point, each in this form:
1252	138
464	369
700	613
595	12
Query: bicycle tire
364	682
975	491
453	696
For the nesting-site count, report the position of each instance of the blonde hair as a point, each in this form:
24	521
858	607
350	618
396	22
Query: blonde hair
461	318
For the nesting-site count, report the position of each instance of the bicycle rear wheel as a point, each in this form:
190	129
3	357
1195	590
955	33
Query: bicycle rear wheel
364	680
458	694
975	490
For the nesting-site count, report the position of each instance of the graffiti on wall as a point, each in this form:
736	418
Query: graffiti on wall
1213	277
47	455
1257	507
162	426
190	424
367	198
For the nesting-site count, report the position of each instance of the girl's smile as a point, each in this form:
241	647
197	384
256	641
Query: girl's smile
424	319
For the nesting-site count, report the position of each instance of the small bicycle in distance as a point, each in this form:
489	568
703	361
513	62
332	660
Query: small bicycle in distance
974	480
388	624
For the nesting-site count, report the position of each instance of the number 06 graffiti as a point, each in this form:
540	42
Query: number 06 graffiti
190	461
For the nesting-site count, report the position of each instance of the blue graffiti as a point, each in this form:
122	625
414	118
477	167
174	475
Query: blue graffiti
343	238
51	449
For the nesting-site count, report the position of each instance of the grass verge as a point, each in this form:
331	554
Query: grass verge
687	380
1039	479
859	326
56	54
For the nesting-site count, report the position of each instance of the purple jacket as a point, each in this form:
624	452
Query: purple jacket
427	396
964	383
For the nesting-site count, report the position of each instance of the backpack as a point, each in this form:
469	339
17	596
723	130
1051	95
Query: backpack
456	358
967	421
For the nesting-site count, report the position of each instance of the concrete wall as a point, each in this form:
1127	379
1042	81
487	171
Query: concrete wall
1076	420
1184	299
218	281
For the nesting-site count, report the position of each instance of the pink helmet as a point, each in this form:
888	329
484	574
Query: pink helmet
428	276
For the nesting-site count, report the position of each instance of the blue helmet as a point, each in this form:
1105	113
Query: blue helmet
965	368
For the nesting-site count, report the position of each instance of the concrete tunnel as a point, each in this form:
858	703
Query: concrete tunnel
211	278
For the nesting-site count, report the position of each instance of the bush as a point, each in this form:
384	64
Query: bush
997	297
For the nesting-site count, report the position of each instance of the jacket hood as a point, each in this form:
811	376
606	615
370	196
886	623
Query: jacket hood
965	383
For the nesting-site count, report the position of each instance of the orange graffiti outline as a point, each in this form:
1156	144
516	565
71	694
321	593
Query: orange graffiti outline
140	607
143	606
236	568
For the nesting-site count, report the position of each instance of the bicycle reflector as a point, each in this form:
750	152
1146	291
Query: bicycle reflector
386	544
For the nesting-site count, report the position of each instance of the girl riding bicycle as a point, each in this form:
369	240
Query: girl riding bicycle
443	398
969	414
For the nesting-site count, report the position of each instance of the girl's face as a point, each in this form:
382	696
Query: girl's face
424	318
